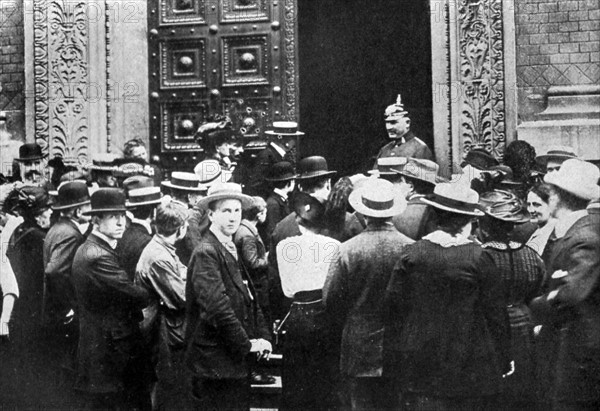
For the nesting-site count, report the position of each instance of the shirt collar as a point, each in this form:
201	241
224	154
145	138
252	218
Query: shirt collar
281	193
160	240
220	236
143	223
278	148
446	240
110	241
564	224
250	227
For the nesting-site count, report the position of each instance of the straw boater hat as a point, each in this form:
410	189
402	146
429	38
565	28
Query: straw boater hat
282	171
225	191
184	182
577	177
505	206
377	198
479	158
30	152
420	169
107	200
210	172
560	153
312	167
71	194
143	196
386	166
456	198
284	128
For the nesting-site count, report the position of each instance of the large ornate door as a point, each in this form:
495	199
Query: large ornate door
233	57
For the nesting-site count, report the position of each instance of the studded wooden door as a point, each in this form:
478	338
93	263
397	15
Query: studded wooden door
233	57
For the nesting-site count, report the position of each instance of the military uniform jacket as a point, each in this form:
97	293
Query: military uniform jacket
222	313
110	308
413	147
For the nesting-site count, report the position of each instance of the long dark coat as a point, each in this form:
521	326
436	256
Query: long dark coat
222	313
253	253
130	247
571	318
277	209
447	334
110	308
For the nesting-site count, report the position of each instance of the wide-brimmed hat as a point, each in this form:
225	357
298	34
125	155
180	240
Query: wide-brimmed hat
420	169
456	198
143	196
377	198
107	200
282	171
560	153
31	199
30	152
128	167
577	177
71	194
312	167
480	159
504	205
103	162
135	182
308	208
209	172
184	182
387	165
225	191
284	128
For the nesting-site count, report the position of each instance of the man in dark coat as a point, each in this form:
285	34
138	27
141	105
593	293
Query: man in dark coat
353	292
283	180
570	308
225	323
110	356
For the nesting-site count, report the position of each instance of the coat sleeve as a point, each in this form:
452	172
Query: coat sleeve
274	216
211	296
163	277
335	290
116	282
249	249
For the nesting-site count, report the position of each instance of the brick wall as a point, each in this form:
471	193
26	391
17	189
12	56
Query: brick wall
557	44
12	77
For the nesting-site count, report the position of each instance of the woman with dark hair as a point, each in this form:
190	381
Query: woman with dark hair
447	337
216	137
522	273
520	157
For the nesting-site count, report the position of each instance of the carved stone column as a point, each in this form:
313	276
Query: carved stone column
469	78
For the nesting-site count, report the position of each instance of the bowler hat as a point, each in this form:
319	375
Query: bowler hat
284	128
184	182
71	194
282	171
455	197
480	159
420	169
143	196
225	191
577	177
505	206
30	152
377	198
386	165
107	200
314	166
308	208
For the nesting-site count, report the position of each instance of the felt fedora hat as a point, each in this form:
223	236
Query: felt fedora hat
377	198
284	128
210	172
504	205
421	169
30	152
282	171
308	208
107	200
225	191
480	159
71	194
455	197
143	196
314	166
560	153
577	177
387	165
184	182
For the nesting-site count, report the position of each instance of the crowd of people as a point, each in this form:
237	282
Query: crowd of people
393	288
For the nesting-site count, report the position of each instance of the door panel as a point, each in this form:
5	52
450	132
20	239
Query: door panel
218	57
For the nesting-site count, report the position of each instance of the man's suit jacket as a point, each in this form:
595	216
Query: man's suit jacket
417	220
353	296
277	209
130	247
61	243
570	311
265	159
198	224
222	313
110	308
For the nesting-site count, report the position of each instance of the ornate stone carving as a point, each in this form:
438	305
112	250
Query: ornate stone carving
245	60
179	125
182	11
244	11
481	101
291	76
40	59
109	87
183	64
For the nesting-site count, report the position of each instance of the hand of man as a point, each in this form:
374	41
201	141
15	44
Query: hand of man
262	347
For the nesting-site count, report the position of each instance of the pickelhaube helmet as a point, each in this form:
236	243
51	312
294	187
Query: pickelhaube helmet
395	111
